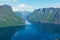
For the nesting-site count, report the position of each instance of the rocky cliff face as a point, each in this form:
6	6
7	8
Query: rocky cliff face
49	15
8	18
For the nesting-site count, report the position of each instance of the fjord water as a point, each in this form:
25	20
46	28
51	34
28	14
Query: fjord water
38	31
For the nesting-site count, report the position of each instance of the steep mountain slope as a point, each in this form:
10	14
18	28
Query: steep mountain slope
8	18
48	15
19	14
23	14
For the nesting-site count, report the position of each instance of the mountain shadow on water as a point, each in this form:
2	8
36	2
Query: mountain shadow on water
41	31
9	22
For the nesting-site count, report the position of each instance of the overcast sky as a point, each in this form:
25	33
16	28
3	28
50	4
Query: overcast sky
30	5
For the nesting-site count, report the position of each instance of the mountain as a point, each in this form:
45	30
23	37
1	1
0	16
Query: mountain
19	14
23	14
8	18
47	15
26	13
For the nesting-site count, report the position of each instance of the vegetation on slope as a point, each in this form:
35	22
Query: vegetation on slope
8	18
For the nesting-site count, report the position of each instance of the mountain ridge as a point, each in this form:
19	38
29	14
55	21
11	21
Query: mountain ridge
49	15
8	18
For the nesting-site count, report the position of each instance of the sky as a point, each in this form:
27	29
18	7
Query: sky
30	5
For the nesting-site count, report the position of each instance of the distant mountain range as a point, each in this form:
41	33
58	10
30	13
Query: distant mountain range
8	18
23	14
48	15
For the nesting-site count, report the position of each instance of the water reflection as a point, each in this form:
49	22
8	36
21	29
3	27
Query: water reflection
27	22
37	32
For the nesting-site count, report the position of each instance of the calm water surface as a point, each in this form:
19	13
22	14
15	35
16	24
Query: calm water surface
38	32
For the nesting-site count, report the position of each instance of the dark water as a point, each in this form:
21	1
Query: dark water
7	32
39	31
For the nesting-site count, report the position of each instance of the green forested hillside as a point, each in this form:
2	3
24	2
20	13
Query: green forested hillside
8	18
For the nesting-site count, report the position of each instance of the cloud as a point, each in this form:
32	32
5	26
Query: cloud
53	5
15	0
29	6
1	4
22	7
5	0
9	0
